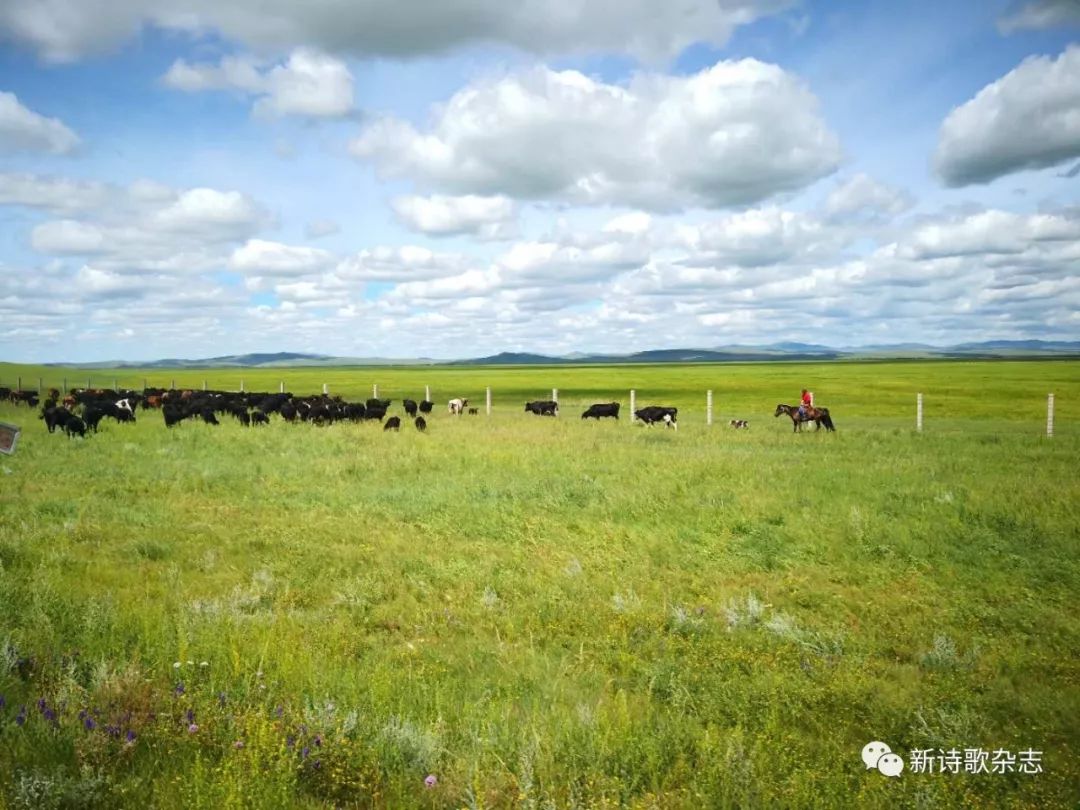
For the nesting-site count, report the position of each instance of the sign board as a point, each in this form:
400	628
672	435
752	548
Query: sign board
9	437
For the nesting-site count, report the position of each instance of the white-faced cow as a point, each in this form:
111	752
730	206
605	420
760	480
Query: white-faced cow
658	413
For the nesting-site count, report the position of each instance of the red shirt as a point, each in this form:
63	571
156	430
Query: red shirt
806	398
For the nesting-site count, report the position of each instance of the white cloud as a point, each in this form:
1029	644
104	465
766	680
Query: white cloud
1041	14
258	257
22	129
65	30
1028	119
440	215
732	134
398	264
210	213
307	84
57	194
990	232
760	236
68	236
863	199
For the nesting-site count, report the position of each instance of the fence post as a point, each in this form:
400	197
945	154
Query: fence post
1049	414
427	393
633	405
204	385
65	386
241	386
325	389
18	384
374	390
172	385
487	399
281	387
39	385
555	395
708	407
918	412
115	384
88	382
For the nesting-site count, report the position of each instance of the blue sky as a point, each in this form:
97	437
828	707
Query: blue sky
456	179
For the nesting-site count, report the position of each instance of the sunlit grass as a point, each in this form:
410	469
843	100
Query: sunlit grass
549	612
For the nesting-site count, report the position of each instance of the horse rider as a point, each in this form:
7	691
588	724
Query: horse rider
805	405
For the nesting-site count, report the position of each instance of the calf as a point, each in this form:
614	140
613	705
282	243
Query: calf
543	407
259	418
421	424
740	423
601	410
658	413
393	423
74	425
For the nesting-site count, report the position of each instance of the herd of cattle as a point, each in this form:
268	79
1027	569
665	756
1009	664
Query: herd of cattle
82	410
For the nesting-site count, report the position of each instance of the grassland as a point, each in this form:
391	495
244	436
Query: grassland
548	613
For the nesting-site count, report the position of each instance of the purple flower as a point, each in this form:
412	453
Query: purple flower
89	723
316	764
41	704
130	736
21	718
179	690
50	715
431	780
290	740
3	703
192	728
318	741
190	716
305	752
277	711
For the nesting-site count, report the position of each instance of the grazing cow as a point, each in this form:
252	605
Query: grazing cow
207	415
259	418
658	413
75	425
288	412
457	406
426	406
602	409
56	418
421	424
355	411
393	423
740	424
543	407
410	407
173	414
242	416
378	404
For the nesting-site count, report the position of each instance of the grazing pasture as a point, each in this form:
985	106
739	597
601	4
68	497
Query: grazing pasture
507	611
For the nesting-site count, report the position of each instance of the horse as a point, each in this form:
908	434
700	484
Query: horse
819	416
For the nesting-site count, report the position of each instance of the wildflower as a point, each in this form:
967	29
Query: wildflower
3	703
130	736
221	699
204	663
290	741
89	723
191	663
238	744
431	780
41	704
305	752
21	718
318	740
50	715
193	728
179	689
316	764
176	665
190	716
278	711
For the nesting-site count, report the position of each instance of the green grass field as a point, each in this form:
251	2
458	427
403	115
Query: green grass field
548	612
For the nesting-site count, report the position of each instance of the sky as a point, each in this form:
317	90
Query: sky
457	178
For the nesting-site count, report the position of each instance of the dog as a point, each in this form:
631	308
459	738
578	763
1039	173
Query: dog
740	423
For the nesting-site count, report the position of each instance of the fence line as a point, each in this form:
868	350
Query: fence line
1049	414
918	412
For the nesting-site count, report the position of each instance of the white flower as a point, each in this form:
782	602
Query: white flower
176	665
204	663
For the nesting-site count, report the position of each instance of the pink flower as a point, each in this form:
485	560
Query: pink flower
193	728
431	780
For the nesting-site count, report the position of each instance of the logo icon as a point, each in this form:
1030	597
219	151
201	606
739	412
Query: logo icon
878	755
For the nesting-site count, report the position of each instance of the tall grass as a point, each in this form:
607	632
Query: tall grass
549	612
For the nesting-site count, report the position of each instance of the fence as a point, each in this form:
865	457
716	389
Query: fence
116	383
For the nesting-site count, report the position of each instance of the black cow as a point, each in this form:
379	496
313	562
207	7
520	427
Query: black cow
355	411
602	409
259	418
740	423
56	418
658	413
393	423
426	406
207	415
410	407
378	404
288	412
421	424
543	407
75	425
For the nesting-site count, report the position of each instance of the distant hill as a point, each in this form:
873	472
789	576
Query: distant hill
720	354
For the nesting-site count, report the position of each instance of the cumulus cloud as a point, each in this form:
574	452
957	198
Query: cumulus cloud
759	237
1028	119
65	30
258	257
732	134
863	199
399	264
441	215
991	232
1041	14
22	129
56	194
307	84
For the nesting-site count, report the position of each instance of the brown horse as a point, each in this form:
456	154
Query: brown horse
819	416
